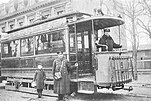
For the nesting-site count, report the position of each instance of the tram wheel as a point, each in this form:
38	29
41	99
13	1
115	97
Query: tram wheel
122	86
113	88
130	88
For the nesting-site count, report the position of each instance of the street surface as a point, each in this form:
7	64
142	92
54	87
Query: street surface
6	95
141	92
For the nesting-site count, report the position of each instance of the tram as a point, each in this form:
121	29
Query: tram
74	33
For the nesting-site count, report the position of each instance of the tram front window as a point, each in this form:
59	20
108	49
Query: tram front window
106	42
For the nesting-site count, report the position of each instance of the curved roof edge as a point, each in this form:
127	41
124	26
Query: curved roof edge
112	21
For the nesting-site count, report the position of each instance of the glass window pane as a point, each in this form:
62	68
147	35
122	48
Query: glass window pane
27	46
86	40
50	43
11	49
43	43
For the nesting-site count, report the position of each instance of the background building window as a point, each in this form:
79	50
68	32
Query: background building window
31	21
31	18
60	10
2	9
20	24
46	13
12	26
20	4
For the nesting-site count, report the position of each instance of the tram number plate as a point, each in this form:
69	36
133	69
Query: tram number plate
87	86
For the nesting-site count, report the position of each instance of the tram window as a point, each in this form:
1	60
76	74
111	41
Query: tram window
49	43
72	42
72	38
57	36
6	48
79	40
27	46
58	41
10	49
86	40
43	43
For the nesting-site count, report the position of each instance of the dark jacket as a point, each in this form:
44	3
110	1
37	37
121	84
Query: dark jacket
61	86
39	77
107	40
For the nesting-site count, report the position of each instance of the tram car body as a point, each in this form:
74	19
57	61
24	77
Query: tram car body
74	34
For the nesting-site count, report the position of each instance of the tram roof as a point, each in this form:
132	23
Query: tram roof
51	19
102	21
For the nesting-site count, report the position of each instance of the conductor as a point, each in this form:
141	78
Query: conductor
106	43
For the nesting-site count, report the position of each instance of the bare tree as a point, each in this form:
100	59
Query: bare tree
131	11
146	25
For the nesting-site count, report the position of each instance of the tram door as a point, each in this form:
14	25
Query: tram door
81	40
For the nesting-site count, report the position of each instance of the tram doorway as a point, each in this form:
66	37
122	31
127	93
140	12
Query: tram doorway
81	46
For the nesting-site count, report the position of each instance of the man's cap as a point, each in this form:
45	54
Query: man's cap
39	63
106	30
60	52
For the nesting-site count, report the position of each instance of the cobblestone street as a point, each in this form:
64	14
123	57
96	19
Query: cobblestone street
141	92
6	95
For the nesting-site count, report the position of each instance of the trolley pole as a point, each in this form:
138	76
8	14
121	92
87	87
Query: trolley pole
119	31
119	35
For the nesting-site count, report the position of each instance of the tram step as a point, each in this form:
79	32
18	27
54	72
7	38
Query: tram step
85	92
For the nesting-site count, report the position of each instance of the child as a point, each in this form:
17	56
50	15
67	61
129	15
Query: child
39	78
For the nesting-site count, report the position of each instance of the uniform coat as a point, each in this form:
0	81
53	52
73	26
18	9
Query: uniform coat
39	77
61	86
107	40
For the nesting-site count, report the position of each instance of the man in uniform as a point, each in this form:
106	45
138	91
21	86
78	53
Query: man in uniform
106	43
